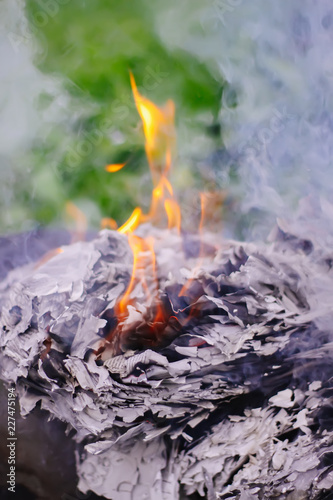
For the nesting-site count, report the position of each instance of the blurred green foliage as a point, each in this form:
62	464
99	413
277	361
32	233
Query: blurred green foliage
92	45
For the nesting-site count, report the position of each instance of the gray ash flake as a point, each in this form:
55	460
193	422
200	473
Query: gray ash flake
235	403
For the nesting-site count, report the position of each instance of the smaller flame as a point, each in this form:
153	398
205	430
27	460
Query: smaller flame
48	256
114	167
204	202
138	247
132	223
108	222
203	205
173	212
143	259
211	207
80	220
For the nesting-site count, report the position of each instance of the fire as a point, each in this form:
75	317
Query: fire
159	130
80	221
173	212
203	203
48	256
164	211
211	208
114	167
143	260
158	127
132	223
108	222
138	246
209	204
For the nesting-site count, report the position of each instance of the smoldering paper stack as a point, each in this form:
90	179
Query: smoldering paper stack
231	397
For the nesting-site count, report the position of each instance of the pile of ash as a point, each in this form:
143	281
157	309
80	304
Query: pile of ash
229	396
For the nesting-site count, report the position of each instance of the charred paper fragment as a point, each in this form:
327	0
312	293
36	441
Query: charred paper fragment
232	398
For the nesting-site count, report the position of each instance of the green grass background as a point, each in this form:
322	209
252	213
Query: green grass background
91	46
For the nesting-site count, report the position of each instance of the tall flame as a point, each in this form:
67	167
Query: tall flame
158	126
159	130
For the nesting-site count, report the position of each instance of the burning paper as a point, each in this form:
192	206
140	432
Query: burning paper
179	371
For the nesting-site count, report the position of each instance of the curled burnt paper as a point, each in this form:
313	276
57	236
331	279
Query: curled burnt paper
228	396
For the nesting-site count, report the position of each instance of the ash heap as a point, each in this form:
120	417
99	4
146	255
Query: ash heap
182	364
231	398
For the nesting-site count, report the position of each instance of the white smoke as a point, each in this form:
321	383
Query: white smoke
23	120
278	56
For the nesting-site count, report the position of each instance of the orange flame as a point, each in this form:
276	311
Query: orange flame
143	259
138	247
203	207
159	130
211	207
158	126
173	212
114	167
132	223
80	221
108	222
203	203
48	256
